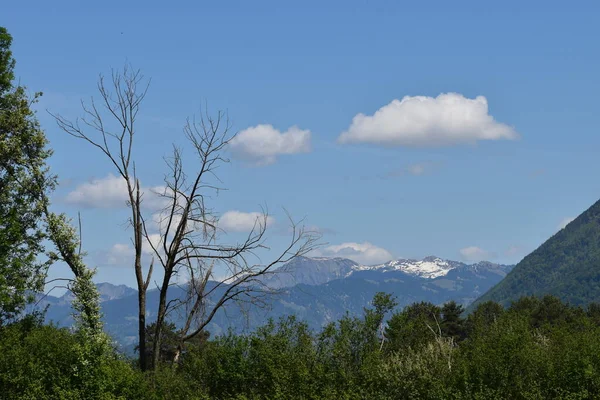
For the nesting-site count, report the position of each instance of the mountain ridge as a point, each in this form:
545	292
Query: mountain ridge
317	290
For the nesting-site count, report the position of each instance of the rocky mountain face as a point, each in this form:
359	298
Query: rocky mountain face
107	292
310	271
317	290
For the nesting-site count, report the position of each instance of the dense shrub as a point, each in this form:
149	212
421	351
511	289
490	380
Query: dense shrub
42	362
536	349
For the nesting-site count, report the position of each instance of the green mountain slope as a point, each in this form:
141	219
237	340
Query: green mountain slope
567	266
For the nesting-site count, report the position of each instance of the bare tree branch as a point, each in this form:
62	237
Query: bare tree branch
119	102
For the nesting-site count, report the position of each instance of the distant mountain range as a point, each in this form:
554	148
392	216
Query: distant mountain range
317	290
321	290
567	266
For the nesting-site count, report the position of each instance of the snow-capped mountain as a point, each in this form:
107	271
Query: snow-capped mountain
429	267
320	270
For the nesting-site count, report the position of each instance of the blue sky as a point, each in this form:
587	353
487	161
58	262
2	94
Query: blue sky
408	181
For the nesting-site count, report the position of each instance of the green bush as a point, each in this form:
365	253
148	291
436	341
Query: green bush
42	362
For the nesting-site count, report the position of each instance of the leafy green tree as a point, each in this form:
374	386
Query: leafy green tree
92	347
169	342
382	304
7	62
414	327
593	313
453	325
44	362
483	317
25	222
24	184
547	311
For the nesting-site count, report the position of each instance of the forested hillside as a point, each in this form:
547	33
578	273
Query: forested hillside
566	266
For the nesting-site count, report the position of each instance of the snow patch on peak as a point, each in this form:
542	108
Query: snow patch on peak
430	267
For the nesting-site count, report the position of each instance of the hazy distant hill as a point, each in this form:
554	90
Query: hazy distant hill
567	266
318	290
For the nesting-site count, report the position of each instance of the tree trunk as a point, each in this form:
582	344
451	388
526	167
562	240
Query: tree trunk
142	329
160	320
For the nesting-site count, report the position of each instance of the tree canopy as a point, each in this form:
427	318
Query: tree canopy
24	184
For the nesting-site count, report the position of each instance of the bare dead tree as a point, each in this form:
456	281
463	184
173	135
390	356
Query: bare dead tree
187	239
112	123
187	242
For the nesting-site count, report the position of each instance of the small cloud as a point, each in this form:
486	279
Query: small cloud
152	242
262	144
122	254
564	222
111	192
474	253
363	253
416	169
421	121
119	255
238	221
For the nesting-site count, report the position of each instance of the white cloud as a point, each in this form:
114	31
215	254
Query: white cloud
163	220
474	253
238	221
262	144
363	253
448	119
111	192
417	169
564	222
155	241
120	254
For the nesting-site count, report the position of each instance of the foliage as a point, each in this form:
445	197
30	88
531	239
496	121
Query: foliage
42	362
24	184
170	340
535	349
25	221
452	325
93	347
413	328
